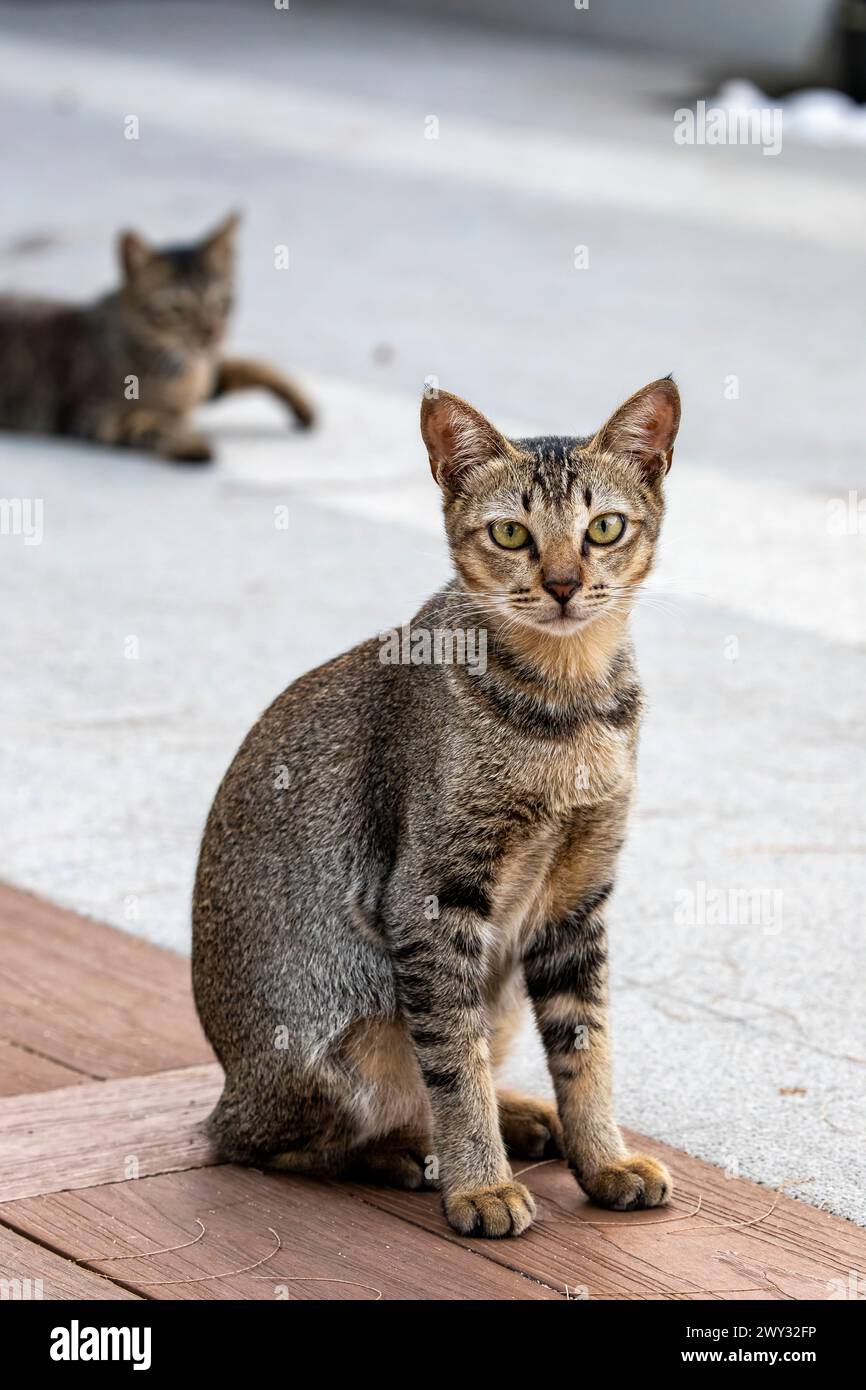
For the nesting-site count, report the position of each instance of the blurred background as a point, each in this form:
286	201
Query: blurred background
491	195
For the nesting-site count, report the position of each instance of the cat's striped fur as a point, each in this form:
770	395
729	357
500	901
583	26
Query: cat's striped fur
400	854
128	369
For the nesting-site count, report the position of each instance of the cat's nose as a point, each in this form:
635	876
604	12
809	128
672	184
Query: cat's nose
562	589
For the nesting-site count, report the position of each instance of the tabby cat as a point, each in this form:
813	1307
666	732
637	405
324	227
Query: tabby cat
400	853
128	369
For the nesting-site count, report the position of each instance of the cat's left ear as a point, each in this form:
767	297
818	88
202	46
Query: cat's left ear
458	439
220	244
645	427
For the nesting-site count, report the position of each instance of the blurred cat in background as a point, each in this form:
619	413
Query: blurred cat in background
128	369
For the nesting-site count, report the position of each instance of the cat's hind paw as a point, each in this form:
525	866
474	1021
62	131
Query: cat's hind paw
390	1168
630	1184
503	1209
530	1128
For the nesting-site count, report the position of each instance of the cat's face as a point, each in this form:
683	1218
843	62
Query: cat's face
553	532
180	297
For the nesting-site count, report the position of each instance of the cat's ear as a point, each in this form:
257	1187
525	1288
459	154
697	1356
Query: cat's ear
134	254
645	427
219	245
458	438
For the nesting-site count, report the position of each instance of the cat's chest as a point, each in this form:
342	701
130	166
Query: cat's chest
591	766
179	384
518	900
556	754
583	796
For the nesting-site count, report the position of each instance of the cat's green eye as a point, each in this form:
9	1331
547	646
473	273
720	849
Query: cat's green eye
604	530
509	534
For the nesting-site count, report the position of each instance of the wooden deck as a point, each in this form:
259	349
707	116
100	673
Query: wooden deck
109	1190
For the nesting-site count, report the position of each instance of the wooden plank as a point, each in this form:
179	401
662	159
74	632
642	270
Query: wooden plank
82	998
720	1240
743	1241
22	1071
106	1131
331	1246
30	1272
90	997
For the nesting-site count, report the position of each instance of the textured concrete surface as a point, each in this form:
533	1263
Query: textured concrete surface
164	608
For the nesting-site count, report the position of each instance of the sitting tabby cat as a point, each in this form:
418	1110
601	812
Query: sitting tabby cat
399	854
128	369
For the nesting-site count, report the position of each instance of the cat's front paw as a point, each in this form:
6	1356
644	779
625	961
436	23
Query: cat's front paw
503	1209
189	448
631	1183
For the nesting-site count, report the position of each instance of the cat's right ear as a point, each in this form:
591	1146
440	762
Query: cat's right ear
458	438
219	245
134	254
